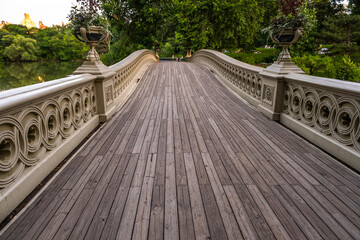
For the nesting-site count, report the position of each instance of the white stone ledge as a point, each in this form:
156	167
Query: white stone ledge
231	60
12	196
344	153
333	85
339	89
18	97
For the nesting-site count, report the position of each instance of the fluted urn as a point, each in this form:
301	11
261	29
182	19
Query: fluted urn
285	38
92	36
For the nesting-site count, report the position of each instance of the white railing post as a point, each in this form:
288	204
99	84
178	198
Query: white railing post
103	84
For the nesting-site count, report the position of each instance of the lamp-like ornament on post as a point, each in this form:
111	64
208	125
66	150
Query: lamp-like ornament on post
89	27
283	64
92	36
287	29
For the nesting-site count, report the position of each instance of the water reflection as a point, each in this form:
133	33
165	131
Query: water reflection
13	75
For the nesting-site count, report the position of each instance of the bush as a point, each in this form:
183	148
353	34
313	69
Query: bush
347	69
167	51
322	66
22	49
258	56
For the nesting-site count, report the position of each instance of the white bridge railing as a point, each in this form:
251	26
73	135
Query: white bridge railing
325	111
41	124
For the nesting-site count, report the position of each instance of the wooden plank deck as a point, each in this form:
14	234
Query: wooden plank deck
186	159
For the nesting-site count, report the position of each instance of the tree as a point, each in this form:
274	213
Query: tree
342	28
215	24
354	6
60	44
16	29
142	21
22	49
346	69
325	9
218	24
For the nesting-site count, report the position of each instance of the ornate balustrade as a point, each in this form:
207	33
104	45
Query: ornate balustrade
241	77
41	124
325	111
128	73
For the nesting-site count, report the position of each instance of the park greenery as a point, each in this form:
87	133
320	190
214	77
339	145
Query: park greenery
329	48
18	43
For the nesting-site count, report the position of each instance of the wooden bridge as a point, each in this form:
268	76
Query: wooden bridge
185	158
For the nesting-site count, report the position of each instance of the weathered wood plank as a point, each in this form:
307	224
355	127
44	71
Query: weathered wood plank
247	229
273	221
171	230
186	159
186	225
300	219
113	219
156	228
228	218
338	230
198	212
103	210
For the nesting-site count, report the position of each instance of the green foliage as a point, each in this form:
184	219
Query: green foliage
324	66
342	28
80	17
217	24
347	69
50	44
60	44
324	9
316	65
16	29
307	45
167	51
199	24
121	47
354	6
141	21
294	14
22	49
258	56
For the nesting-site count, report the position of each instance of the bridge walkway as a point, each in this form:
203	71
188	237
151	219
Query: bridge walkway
186	159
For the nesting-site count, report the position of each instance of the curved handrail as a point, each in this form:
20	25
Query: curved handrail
325	111
241	77
42	123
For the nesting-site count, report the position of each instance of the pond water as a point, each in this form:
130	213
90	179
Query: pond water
13	75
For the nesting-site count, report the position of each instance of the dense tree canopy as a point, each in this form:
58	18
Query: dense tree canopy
186	24
21	49
17	43
140	20
343	28
218	24
179	25
354	6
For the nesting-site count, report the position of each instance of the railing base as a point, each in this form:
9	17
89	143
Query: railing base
12	196
338	150
268	113
94	68
284	68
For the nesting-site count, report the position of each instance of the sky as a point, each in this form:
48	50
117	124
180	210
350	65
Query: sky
50	12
